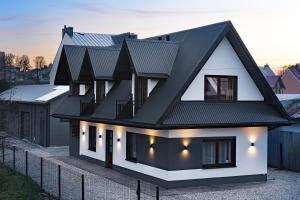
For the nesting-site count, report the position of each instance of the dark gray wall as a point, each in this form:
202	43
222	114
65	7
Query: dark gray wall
58	129
74	139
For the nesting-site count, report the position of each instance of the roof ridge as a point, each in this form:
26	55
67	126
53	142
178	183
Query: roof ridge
151	41
108	34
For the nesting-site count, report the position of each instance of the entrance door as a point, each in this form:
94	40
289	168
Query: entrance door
109	149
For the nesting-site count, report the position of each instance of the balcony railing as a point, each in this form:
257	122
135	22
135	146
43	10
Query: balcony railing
124	109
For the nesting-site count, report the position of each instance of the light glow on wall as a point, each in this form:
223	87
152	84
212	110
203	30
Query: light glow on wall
185	151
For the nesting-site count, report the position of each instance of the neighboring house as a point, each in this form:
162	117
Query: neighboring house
69	37
274	80
11	74
26	113
291	80
38	75
284	141
181	109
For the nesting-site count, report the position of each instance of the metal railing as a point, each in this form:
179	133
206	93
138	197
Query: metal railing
65	181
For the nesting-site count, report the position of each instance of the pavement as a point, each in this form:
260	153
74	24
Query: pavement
102	183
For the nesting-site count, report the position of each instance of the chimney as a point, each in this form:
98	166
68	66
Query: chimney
168	37
67	30
133	36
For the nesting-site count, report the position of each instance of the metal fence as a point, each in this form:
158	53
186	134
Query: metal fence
284	150
64	181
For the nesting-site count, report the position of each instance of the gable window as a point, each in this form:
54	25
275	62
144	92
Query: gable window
92	138
220	88
131	147
218	152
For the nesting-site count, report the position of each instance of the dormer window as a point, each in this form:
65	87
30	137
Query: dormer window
222	88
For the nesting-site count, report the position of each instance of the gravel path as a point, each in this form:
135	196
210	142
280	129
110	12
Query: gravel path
102	183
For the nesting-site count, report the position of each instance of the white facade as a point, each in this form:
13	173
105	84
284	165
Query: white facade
250	160
224	61
151	85
108	86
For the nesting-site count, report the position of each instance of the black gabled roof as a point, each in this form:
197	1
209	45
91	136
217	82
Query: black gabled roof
195	46
152	58
207	113
74	56
103	61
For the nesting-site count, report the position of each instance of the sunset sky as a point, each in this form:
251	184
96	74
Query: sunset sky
269	28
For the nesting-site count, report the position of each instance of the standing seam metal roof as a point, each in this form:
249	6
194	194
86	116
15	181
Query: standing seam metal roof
103	61
152	57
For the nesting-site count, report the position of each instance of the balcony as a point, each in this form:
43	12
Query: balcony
124	109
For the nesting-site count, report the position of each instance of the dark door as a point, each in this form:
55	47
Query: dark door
25	126
109	149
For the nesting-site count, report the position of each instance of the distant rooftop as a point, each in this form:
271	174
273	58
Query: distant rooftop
33	93
267	71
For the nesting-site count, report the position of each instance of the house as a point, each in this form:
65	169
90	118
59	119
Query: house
10	74
69	37
291	80
25	112
180	109
274	80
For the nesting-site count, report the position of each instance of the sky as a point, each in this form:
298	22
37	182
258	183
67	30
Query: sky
269	28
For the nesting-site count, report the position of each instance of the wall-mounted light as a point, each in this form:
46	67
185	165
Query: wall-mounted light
252	144
83	132
151	146
100	136
118	139
185	147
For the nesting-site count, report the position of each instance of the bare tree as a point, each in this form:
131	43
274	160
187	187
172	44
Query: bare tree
24	63
39	62
9	59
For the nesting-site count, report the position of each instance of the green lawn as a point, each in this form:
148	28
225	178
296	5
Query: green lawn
15	186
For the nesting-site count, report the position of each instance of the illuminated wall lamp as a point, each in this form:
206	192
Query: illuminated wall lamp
185	147
118	139
83	132
100	136
252	144
151	146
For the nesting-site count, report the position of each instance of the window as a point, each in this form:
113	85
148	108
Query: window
92	138
131	147
220	88
218	153
99	91
141	92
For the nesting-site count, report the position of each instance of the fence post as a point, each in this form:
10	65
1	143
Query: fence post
138	190
14	157
3	150
281	157
42	172
26	163
59	194
82	187
157	193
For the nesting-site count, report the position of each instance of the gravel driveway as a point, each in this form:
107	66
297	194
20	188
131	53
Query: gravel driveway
281	184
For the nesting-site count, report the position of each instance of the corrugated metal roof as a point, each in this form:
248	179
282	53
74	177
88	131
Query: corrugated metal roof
152	56
267	71
103	61
70	106
199	112
33	93
75	56
95	39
